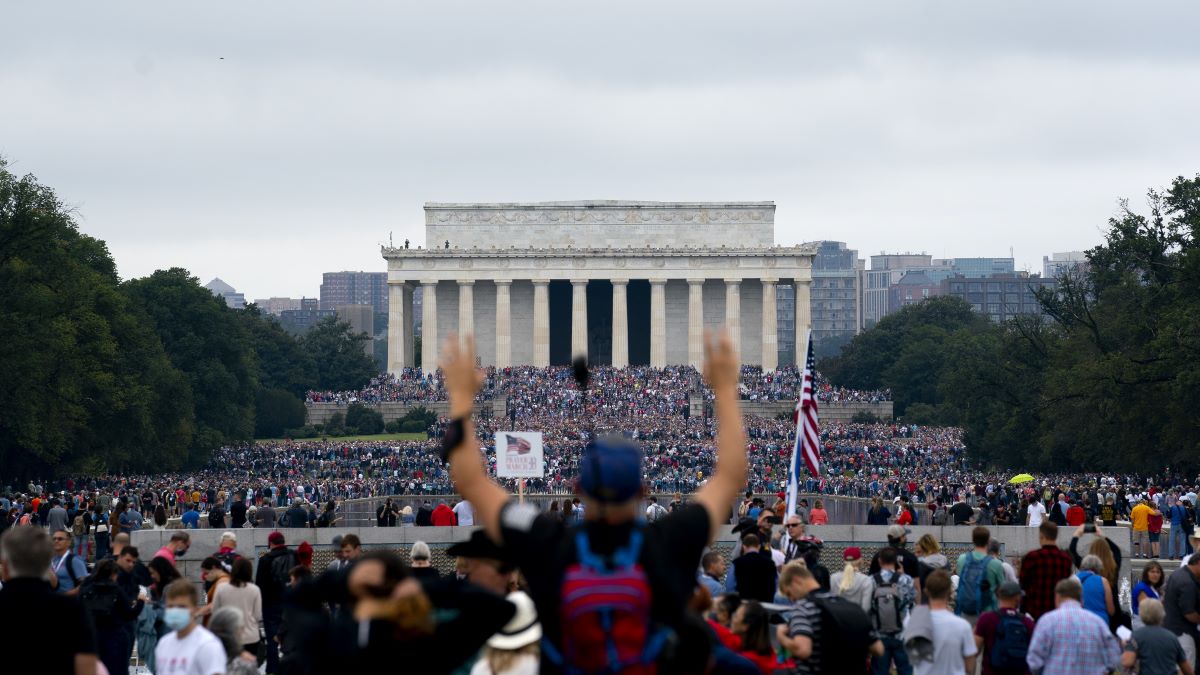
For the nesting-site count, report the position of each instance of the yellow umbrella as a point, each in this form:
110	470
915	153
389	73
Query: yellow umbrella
1020	478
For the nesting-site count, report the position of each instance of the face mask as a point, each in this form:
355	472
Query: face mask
177	618
181	551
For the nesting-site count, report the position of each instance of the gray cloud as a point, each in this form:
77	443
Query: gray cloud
939	126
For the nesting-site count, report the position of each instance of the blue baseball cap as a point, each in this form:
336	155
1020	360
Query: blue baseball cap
610	470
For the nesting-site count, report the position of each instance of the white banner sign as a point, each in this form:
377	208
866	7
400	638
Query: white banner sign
519	454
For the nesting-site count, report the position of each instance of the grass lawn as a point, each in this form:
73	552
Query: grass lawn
419	436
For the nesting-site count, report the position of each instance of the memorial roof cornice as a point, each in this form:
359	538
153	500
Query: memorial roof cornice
391	252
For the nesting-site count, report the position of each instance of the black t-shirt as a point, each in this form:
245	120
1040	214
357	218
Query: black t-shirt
961	513
237	514
544	547
50	629
907	559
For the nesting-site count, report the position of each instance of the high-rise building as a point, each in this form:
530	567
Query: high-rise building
227	293
1001	296
276	306
362	320
835	296
886	270
1055	264
975	268
913	287
300	321
355	288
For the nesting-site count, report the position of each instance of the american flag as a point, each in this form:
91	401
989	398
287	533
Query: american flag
808	432
518	445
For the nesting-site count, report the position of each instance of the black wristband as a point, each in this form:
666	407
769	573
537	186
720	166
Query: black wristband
452	437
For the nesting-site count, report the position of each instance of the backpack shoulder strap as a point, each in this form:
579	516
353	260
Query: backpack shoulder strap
71	568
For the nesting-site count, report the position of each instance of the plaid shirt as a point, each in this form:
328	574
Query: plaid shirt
1040	570
1072	641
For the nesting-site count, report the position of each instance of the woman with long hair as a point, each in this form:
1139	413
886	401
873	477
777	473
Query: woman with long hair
878	514
101	532
851	583
1150	586
150	626
818	515
241	593
752	624
160	517
101	590
1110	558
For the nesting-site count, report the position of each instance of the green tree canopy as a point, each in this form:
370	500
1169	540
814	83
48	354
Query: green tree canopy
88	386
340	360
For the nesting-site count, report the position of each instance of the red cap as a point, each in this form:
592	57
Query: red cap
781	495
275	539
852	553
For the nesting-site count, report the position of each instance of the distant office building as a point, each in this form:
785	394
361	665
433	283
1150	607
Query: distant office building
1000	297
886	270
912	288
362	320
355	288
835	295
300	321
982	267
1055	264
276	306
227	293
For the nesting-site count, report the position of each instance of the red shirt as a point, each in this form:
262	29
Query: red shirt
767	663
1040	571
1075	515
1154	523
726	636
905	517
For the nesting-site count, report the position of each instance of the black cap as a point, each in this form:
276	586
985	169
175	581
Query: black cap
478	546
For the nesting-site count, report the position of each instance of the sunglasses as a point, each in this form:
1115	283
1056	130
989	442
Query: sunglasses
793	524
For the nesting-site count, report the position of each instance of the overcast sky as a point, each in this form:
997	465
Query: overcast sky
267	142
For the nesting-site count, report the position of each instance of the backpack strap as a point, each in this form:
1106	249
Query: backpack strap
71	568
626	556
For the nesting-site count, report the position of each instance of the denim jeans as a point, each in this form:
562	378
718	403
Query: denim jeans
893	648
1176	542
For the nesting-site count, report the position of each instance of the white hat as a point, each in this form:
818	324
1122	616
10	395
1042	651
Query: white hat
523	629
228	535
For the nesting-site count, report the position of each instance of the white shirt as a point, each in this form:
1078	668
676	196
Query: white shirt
200	653
952	641
1037	513
465	513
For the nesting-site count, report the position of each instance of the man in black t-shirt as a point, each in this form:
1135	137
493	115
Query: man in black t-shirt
610	485
961	512
898	539
46	632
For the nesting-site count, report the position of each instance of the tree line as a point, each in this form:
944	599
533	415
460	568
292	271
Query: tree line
1106	379
101	374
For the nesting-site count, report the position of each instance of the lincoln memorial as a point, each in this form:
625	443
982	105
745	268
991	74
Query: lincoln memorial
624	283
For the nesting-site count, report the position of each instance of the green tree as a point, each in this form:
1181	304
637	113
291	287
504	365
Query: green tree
281	363
341	363
87	383
276	411
365	420
207	341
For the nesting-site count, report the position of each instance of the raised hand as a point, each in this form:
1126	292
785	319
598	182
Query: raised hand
720	361
458	367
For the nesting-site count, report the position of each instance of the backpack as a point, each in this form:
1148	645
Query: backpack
100	604
885	605
71	568
605	613
846	635
1011	646
972	582
78	528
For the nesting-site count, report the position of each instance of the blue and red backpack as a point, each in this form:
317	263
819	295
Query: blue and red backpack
605	614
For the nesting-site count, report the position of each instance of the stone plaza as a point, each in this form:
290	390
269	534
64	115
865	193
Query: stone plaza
621	282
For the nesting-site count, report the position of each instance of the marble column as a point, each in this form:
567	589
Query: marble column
803	319
579	333
658	323
620	324
733	313
770	339
541	322
696	323
503	324
397	339
429	336
466	310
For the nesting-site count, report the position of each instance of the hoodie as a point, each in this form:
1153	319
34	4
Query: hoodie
443	515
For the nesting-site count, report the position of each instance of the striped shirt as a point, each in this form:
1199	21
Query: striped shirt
1072	641
806	621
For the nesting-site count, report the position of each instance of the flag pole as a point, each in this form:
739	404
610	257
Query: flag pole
793	484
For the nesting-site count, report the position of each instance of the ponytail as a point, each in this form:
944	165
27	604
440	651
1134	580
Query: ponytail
848	573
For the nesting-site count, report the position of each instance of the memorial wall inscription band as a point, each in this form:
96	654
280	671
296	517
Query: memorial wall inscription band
493	270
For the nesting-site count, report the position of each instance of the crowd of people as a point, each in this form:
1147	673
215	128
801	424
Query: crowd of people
533	587
676	383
